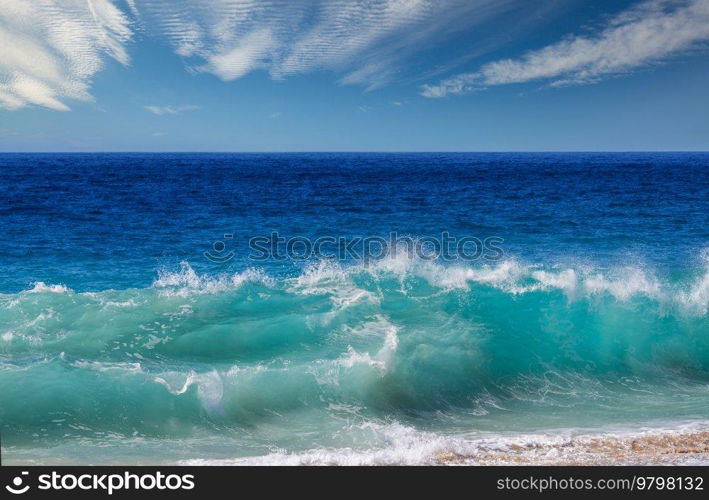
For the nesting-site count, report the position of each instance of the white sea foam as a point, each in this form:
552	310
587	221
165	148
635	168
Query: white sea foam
384	357
630	282
566	280
106	366
210	388
696	297
391	344
622	283
320	277
130	303
353	358
40	287
510	276
403	445
348	286
333	280
187	282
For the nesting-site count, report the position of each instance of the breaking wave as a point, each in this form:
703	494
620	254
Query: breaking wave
399	344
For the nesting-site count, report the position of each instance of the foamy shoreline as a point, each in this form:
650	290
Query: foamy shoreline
687	444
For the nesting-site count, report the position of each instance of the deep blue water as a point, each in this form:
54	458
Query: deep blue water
109	221
119	336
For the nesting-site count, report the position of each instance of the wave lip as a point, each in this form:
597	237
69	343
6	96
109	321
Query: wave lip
187	281
41	287
342	282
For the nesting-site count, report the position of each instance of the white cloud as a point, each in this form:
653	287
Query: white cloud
50	49
647	33
275	115
250	52
170	110
363	39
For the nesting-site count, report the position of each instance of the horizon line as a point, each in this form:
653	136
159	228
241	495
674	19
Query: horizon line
452	151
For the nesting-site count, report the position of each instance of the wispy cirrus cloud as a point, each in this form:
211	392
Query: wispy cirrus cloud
362	39
648	33
50	49
171	109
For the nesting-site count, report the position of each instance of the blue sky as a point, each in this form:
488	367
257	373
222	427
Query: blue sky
353	75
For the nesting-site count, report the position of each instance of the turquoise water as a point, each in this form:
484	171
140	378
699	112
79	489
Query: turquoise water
121	347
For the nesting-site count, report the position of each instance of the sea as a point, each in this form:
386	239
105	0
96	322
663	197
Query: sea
311	309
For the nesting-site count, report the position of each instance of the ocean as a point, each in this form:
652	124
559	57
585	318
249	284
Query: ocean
146	316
